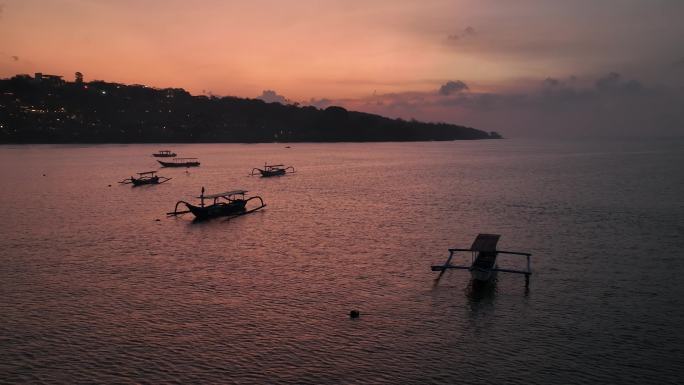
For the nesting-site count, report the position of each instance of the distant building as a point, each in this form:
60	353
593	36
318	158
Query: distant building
48	79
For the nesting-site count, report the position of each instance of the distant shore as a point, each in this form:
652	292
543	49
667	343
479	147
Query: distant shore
44	109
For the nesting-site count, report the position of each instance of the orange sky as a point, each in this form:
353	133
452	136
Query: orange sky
306	48
342	49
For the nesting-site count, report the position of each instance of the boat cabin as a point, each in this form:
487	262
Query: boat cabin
229	196
165	154
180	162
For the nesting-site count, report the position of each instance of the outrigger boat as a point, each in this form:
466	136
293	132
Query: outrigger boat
225	204
164	154
147	177
272	170
181	162
483	265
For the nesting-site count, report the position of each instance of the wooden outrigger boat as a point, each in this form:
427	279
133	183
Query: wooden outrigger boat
272	170
164	154
147	177
225	204
483	265
181	162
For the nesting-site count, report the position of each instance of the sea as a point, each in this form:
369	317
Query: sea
98	285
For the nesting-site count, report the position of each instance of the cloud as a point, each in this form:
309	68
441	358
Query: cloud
467	32
6	56
613	82
679	63
610	106
551	82
319	103
610	80
270	96
452	87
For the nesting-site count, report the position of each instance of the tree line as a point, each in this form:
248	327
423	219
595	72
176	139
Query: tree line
53	111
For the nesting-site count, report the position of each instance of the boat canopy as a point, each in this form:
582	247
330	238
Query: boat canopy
147	172
274	165
485	242
182	159
223	194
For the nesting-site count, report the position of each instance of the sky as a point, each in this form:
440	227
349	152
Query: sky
522	68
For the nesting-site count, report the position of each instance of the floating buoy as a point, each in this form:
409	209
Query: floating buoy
109	185
157	220
354	314
43	174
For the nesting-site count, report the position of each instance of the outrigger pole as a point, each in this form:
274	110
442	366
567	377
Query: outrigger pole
234	206
446	264
484	263
246	212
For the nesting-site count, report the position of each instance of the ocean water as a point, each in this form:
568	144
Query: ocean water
98	286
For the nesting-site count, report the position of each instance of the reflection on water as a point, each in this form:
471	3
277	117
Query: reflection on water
480	291
96	285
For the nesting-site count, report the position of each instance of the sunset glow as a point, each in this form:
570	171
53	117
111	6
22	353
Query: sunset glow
349	53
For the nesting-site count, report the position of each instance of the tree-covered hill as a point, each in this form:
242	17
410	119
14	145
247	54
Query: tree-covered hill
49	110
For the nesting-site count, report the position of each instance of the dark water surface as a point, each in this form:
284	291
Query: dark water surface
93	289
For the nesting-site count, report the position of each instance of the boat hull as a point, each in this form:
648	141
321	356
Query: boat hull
267	173
218	210
140	182
164	155
482	275
176	164
481	269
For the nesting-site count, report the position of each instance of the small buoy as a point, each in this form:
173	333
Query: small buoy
157	220
354	314
109	185
43	174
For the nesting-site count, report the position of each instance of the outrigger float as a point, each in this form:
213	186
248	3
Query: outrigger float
225	204
181	162
483	265
272	170
147	177
164	154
